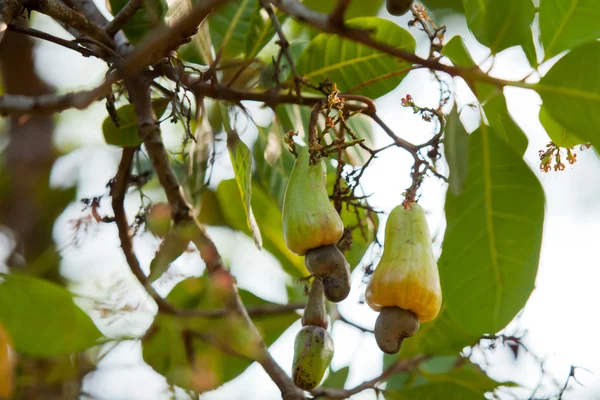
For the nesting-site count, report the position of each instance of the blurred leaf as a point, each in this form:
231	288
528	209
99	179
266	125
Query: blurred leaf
565	24
241	158
267	78
170	249
491	248
199	49
7	364
147	17
356	9
362	127
456	50
42	318
435	391
337	379
438	364
571	92
502	24
502	123
557	133
274	163
268	216
126	134
200	366
356	67
261	30
456	149
230	26
210	210
361	238
468	375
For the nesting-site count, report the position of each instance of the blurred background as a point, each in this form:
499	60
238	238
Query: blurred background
558	321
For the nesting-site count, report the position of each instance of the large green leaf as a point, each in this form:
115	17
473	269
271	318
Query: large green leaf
502	123
268	216
241	158
126	133
561	136
147	17
274	163
42	319
230	25
565	24
356	9
456	50
456	149
436	391
468	375
490	250
192	363
502	24
356	67
260	30
571	92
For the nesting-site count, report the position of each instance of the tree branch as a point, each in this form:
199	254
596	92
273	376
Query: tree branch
62	13
396	368
322	22
123	16
45	104
69	44
9	9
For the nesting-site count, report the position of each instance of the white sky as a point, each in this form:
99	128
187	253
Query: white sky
559	315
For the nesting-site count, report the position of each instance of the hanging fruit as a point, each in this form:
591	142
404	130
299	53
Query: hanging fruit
312	227
309	218
398	7
314	311
313	351
405	287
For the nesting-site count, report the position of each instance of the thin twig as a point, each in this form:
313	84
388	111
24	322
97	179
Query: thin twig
123	16
69	44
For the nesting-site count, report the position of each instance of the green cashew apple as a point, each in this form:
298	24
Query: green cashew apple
315	312
398	7
393	325
328	264
313	351
309	219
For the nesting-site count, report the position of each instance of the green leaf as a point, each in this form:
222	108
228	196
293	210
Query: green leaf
468	375
268	215
147	17
501	24
565	24
356	9
491	248
274	163
241	158
355	67
571	92
561	136
456	149
502	123
126	134
260	31
436	391
229	27
337	379
42	319
190	362
457	52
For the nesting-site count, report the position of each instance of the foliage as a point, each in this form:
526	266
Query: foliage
319	68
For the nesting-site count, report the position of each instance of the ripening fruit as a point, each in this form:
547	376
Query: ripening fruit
398	7
309	218
393	325
313	351
407	275
328	264
314	311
